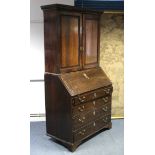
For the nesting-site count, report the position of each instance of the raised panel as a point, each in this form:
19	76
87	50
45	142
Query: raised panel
91	41
70	40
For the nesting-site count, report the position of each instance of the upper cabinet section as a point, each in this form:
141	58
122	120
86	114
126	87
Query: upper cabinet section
71	38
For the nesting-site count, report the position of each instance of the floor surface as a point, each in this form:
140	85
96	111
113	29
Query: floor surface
109	142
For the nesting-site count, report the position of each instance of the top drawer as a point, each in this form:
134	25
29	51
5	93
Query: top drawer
92	95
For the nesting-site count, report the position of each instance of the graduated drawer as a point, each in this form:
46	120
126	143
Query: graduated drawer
91	128
92	95
81	120
88	106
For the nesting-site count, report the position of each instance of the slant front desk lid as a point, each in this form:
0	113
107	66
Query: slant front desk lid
83	81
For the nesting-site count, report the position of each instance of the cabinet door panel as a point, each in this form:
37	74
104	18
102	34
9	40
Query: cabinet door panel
91	40
70	42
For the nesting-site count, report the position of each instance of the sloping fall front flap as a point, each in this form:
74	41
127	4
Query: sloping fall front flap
83	81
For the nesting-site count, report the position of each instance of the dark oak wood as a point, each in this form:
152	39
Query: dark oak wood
91	40
91	128
69	112
70	41
85	118
78	93
71	38
86	81
90	105
58	109
51	43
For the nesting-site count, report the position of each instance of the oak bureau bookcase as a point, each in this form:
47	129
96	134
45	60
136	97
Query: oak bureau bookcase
77	91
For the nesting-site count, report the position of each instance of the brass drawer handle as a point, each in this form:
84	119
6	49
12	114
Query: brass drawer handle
94	124
95	95
107	90
105	120
81	108
94	103
105	99
82	120
105	109
82	132
82	98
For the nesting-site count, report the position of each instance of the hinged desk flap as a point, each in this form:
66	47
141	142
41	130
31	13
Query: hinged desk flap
82	81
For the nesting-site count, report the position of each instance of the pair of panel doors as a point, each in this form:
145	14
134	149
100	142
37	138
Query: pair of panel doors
79	41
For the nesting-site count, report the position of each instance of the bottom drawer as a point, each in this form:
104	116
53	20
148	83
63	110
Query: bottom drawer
91	128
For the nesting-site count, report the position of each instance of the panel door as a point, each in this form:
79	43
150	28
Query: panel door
91	41
70	41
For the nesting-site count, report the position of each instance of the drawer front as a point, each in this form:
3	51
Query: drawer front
93	127
102	121
91	105
92	95
81	120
